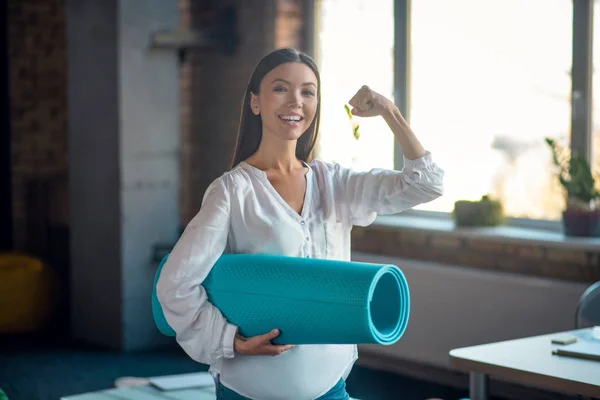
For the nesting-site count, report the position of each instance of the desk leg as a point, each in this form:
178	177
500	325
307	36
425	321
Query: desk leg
479	386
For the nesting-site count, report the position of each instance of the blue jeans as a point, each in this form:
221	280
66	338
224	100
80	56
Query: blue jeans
338	392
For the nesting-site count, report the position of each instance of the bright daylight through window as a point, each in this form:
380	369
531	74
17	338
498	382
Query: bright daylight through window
489	81
355	47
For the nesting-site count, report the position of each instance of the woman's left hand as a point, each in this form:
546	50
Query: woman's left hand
369	103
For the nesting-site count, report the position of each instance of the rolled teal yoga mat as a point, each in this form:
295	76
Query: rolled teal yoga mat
311	301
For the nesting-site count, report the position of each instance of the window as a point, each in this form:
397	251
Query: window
489	81
354	48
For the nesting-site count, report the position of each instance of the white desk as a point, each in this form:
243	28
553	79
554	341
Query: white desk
528	361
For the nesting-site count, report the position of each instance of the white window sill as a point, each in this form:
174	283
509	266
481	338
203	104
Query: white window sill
503	233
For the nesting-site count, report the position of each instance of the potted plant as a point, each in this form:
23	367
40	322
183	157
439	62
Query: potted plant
484	212
581	216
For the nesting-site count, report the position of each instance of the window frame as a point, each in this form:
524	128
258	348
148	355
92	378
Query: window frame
581	91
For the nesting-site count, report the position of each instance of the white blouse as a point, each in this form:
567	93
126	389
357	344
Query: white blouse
243	213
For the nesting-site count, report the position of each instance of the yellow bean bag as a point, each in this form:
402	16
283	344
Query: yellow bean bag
28	293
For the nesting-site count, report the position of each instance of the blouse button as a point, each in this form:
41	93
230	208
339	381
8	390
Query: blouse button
302	223
307	238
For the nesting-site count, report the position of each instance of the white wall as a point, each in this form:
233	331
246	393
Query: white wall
149	152
123	165
453	306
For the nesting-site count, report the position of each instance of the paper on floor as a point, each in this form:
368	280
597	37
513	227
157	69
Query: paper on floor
182	381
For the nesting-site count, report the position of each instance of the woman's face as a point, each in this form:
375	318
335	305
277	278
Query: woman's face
287	102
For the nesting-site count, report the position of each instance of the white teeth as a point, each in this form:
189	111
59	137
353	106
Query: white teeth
290	118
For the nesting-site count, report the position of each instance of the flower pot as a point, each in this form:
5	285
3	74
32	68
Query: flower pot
581	223
485	212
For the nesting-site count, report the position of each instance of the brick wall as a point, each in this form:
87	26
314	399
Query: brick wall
521	257
38	73
37	66
289	24
208	124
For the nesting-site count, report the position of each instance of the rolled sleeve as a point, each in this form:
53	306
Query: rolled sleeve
228	340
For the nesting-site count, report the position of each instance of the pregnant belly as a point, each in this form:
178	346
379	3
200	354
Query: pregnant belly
304	372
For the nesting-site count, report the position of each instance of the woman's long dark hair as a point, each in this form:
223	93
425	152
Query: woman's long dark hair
250	130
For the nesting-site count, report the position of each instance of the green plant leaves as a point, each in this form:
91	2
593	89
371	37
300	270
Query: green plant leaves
575	173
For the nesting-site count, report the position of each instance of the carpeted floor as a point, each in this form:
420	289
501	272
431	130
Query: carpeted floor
31	370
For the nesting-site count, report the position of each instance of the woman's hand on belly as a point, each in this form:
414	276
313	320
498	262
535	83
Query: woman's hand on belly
259	345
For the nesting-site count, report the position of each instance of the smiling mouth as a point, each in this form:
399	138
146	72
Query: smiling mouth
290	118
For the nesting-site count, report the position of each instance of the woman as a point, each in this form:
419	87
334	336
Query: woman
273	201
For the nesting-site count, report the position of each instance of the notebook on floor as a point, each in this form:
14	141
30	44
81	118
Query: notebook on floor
182	381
